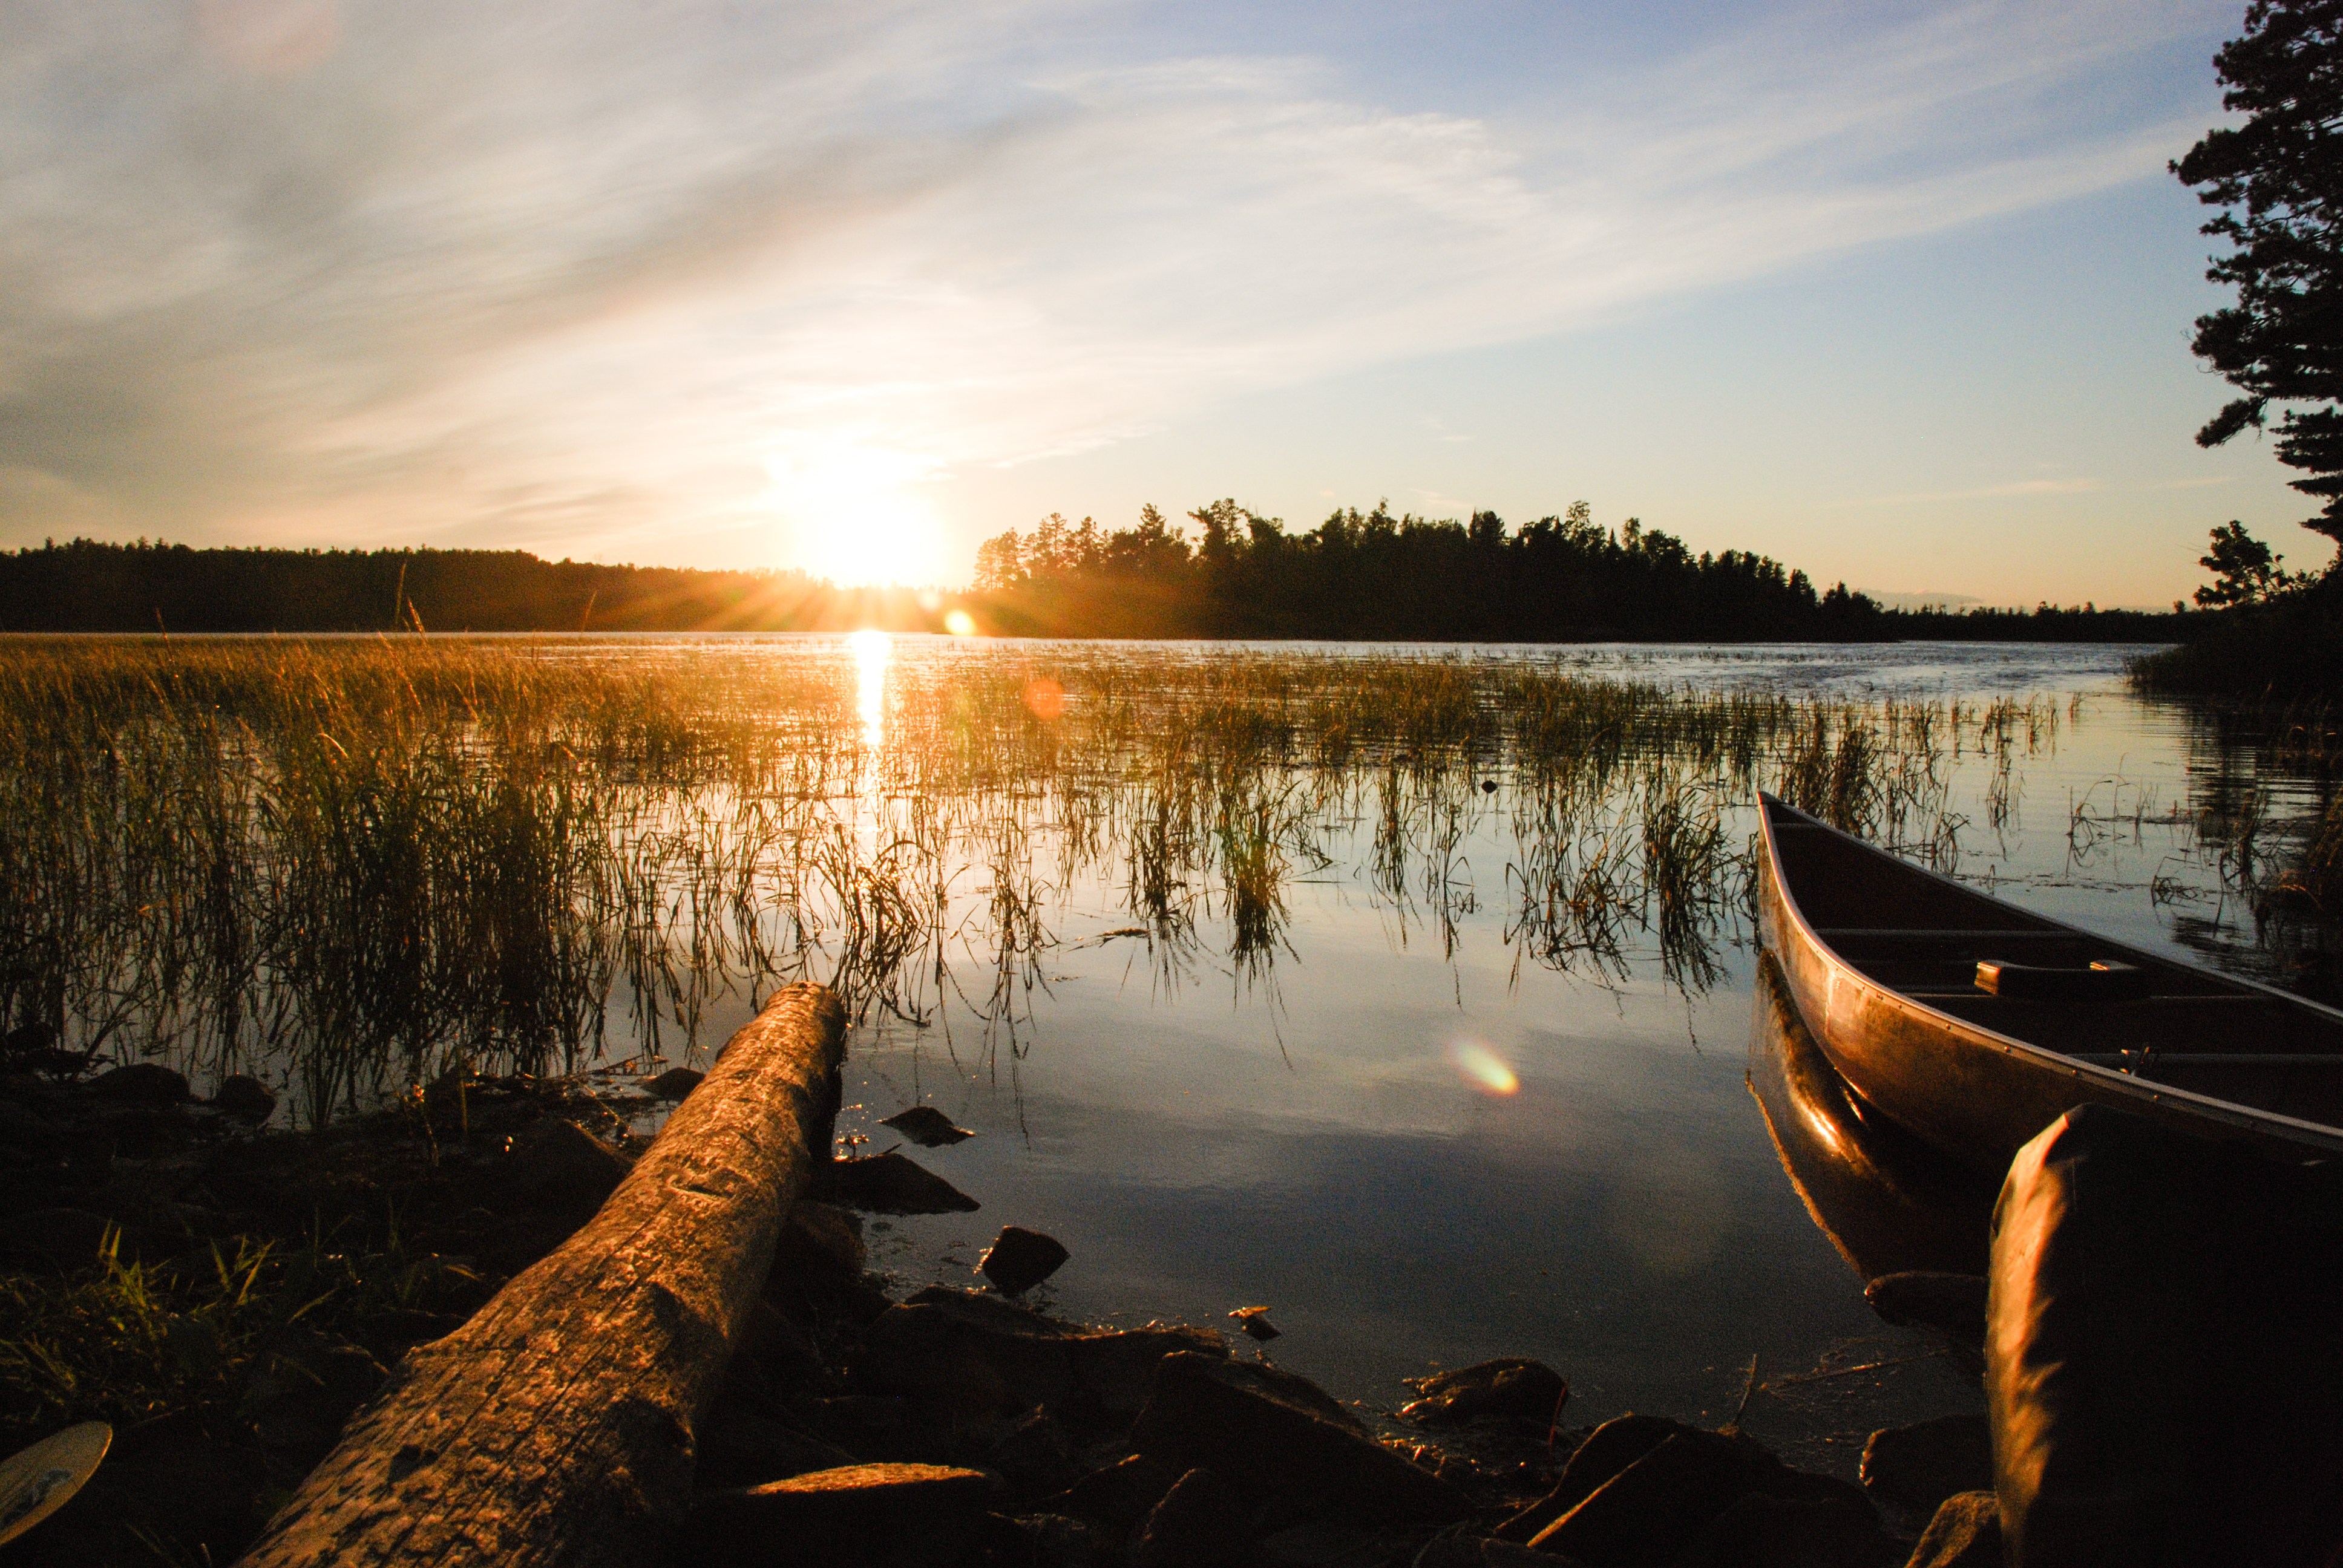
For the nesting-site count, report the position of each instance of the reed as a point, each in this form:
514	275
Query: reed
358	863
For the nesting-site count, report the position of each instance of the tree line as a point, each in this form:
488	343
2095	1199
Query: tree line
1357	576
1372	575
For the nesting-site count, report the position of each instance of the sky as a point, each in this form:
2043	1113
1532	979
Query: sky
1900	294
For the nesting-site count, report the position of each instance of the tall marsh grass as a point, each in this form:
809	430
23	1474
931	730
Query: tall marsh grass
357	863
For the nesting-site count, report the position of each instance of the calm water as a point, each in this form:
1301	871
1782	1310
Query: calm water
1321	1134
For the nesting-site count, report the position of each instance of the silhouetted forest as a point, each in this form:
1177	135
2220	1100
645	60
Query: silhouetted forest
1358	575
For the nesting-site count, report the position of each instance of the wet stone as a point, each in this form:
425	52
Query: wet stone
927	1127
1952	1304
1965	1534
1511	1387
673	1084
141	1083
889	1184
1916	1467
1020	1260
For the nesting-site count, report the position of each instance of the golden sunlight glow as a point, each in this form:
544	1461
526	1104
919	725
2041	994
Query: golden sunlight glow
854	523
1483	1068
959	623
871	648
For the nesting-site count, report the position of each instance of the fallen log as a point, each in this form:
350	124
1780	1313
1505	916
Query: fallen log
556	1426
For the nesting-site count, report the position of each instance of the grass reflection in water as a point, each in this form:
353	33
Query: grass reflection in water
355	864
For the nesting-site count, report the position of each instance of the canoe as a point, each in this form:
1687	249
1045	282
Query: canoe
1974	1024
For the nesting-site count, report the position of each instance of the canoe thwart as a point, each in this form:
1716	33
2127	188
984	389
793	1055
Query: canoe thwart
2103	981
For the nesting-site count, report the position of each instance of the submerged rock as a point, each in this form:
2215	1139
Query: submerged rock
1511	1387
889	1184
927	1127
673	1084
1916	1467
1020	1260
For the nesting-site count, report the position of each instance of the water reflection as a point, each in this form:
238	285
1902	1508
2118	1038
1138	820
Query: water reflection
1887	1203
873	650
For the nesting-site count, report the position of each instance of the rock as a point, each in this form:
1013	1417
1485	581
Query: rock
1294	1388
889	1184
1762	1532
977	1357
1255	1322
927	1127
821	1239
1020	1260
1118	1497
1203	1415
775	1352
673	1084
61	1236
1952	1304
1916	1467
240	1094
565	1167
875	1513
1965	1534
1035	1460
141	1083
1200	1524
1608	1450
1510	1387
1666	1500
1047	1540
743	1449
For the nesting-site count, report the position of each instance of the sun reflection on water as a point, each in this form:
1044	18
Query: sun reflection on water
873	649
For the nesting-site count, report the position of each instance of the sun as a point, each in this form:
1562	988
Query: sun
854	522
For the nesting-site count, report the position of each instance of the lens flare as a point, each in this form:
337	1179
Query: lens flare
1483	1068
959	623
1045	698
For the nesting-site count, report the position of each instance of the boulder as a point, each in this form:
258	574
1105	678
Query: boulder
1047	1540
822	1239
673	1084
1020	1260
889	1184
240	1094
1916	1467
1952	1304
1458	1549
1118	1497
1202	1412
1035	1460
1608	1450
874	1513
141	1083
1965	1534
1510	1387
1200	1524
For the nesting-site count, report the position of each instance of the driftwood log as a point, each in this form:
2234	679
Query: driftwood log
556	1426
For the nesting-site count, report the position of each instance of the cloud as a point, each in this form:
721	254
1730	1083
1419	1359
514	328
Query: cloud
573	277
1985	493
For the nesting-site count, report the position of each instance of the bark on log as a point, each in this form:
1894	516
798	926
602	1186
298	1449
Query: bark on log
556	1425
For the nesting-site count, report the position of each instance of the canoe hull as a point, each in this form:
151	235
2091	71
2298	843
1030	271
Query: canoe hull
1973	1093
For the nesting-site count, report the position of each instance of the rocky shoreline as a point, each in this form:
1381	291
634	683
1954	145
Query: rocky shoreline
945	1428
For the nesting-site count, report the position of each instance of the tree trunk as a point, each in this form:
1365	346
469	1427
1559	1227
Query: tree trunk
556	1426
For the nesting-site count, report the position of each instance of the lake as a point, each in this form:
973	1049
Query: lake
1406	990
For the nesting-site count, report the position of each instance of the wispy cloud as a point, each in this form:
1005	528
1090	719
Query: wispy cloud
576	277
1985	493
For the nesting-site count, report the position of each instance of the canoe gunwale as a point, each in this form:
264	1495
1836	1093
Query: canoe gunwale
1804	952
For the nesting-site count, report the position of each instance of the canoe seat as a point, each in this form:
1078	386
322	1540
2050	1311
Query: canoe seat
2103	981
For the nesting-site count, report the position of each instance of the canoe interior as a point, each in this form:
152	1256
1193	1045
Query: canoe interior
1923	937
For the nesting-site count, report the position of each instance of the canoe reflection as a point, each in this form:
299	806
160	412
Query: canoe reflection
1886	1201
